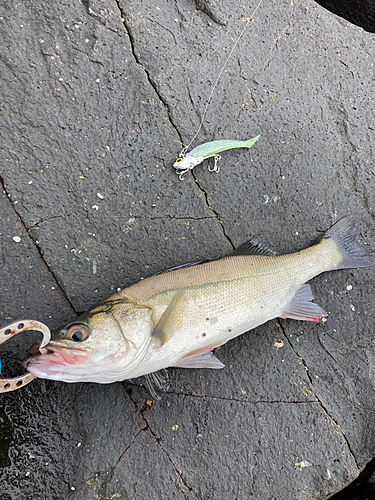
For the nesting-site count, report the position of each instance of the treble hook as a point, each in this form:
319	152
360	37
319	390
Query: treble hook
216	167
180	174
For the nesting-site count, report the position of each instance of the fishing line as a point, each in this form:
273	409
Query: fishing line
219	76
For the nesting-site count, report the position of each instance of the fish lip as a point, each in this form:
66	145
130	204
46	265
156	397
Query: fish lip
54	355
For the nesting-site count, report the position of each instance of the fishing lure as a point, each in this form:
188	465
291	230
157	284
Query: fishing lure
208	150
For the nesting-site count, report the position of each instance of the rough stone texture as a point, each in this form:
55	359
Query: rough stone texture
238	447
96	97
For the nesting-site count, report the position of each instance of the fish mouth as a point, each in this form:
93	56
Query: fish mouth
54	361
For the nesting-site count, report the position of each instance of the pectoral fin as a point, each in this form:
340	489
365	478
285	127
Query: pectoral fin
205	360
164	329
302	308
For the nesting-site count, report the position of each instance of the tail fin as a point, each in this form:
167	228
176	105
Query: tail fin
251	142
354	254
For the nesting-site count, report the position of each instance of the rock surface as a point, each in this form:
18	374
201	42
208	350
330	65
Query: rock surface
96	98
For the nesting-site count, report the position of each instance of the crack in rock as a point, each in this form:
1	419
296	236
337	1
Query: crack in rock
340	118
169	217
278	34
238	400
37	224
165	104
121	217
12	68
163	27
210	207
148	76
37	246
335	424
205	8
110	474
103	16
158	442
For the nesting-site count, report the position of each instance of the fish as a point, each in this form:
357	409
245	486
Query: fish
177	318
207	150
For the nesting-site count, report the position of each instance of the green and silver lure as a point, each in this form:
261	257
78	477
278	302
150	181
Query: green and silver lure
188	161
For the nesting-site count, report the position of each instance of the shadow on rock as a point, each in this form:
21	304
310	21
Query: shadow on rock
359	12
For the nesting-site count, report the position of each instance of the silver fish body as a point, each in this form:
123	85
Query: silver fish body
178	317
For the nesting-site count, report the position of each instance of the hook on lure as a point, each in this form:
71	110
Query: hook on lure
8	331
188	161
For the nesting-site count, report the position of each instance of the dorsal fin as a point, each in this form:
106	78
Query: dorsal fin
253	247
189	264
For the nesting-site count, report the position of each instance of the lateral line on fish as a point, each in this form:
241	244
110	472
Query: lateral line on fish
194	287
256	258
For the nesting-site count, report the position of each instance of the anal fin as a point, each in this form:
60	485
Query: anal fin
301	307
205	360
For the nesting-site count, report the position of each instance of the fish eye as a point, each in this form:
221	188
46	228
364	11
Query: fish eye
78	332
179	160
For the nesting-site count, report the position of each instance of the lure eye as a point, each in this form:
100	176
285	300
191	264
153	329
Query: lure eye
78	332
179	160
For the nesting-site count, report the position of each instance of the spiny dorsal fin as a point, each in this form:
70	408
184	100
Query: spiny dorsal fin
181	266
253	247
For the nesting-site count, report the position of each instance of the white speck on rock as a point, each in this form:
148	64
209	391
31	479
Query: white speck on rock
303	464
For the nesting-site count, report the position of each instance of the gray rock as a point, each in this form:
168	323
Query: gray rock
97	98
